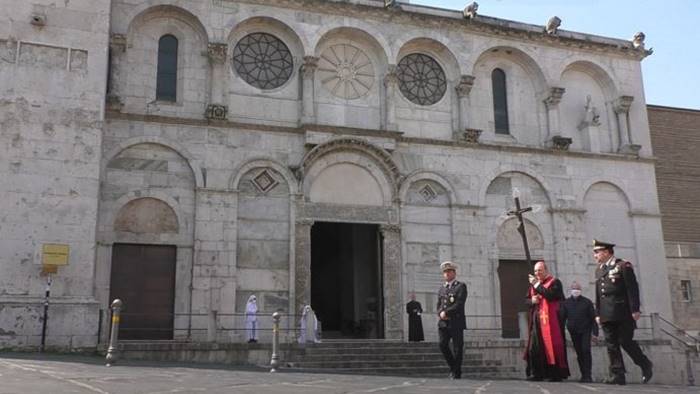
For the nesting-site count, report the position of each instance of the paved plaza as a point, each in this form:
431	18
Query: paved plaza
59	374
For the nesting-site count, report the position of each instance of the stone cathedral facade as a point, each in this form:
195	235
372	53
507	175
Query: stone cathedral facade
193	153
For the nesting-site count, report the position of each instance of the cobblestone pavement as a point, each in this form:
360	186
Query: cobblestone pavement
59	374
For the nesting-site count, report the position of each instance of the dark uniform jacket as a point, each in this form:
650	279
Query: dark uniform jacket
451	300
579	314
617	291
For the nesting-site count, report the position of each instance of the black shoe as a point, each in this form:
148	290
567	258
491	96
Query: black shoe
458	376
647	373
554	379
615	380
586	379
534	379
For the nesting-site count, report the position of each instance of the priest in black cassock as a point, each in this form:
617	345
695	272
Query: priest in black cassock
546	347
415	323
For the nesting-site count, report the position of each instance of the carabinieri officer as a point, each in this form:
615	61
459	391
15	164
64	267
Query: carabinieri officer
451	324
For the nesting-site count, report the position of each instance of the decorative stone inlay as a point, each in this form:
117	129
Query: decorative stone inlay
421	79
263	61
346	71
217	112
561	143
630	149
118	42
309	66
264	181
391	77
623	104
464	87
472	135
114	103
428	193
554	98
217	52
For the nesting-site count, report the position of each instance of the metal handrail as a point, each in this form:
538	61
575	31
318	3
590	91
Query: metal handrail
678	329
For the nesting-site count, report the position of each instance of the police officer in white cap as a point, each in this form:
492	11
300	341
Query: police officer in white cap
451	320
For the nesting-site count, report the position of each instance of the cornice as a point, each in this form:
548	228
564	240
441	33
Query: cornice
432	17
398	136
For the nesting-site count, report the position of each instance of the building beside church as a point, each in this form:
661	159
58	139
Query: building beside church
184	155
675	137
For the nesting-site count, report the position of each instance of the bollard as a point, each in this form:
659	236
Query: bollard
274	362
112	351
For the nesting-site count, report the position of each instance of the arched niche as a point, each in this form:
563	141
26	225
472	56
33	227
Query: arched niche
139	82
525	87
349	78
146	216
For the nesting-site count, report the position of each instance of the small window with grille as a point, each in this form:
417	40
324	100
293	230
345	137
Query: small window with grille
686	291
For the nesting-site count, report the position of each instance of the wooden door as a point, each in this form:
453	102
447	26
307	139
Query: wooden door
512	275
143	277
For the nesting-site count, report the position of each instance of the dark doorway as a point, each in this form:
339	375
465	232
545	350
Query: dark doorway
143	277
512	275
346	284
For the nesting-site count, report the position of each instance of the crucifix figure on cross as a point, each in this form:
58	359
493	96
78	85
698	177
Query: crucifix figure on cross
518	213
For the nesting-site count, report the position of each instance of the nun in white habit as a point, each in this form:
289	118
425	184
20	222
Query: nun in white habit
251	319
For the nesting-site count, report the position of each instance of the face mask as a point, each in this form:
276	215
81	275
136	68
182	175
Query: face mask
575	293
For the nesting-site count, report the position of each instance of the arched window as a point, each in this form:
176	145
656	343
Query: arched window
500	101
166	86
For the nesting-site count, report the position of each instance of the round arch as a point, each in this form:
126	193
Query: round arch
420	175
177	148
615	183
595	71
151	9
430	45
360	30
505	169
520	57
378	156
260	162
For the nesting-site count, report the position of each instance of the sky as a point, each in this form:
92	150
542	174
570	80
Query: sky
672	28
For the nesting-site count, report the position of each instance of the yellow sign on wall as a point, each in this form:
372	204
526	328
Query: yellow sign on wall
54	254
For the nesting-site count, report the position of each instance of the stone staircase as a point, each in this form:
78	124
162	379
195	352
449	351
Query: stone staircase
393	358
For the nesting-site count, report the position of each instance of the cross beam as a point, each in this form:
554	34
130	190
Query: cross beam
518	213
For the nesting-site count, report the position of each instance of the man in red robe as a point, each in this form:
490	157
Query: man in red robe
546	348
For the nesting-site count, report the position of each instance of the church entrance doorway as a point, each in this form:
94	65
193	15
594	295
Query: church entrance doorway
512	275
346	284
143	277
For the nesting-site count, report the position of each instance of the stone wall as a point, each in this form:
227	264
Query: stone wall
244	166
53	67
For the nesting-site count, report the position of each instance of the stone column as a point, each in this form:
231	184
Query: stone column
463	88
216	109
622	110
302	264
117	51
552	103
391	82
556	138
308	71
393	305
213	285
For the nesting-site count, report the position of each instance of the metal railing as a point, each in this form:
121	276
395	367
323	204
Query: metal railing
662	327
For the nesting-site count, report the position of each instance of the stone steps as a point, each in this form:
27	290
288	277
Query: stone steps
391	358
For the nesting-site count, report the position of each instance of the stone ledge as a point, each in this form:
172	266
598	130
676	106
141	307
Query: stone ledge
400	138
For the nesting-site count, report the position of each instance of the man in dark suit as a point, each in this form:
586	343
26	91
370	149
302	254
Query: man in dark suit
617	310
451	324
579	314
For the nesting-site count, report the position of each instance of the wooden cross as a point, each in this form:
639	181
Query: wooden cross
518	212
